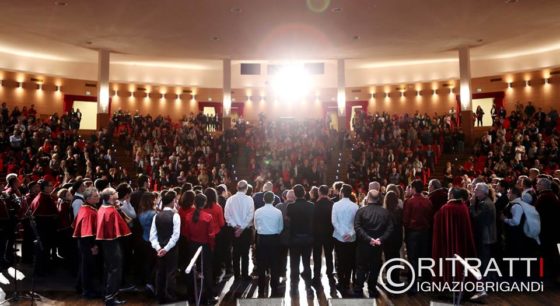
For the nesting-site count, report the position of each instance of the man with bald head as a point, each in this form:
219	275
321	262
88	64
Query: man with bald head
258	197
238	213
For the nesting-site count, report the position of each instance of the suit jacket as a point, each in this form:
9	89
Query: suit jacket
322	225
300	215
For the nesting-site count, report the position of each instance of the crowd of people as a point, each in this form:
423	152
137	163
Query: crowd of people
67	193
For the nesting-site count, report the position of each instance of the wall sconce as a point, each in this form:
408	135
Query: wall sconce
527	83
510	84
435	92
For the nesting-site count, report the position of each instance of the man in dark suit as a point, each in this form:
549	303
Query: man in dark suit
300	215
322	234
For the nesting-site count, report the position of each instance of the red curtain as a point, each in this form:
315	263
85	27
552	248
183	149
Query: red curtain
69	102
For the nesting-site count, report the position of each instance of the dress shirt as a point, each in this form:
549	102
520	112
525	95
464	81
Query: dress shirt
239	210
343	213
516	213
77	203
173	240
268	220
128	209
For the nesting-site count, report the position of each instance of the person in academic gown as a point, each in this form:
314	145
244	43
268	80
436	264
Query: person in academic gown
452	234
45	214
85	229
110	227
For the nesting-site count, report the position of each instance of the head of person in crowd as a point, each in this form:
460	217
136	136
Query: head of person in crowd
124	191
200	203
101	184
187	199
109	196
267	186
314	194
12	181
481	191
391	201
211	197
299	191
434	185
346	191
502	186
336	187
374	186
222	190
534	173
186	186
169	199
91	196
290	196
143	181
147	202
543	184
33	188
268	197
78	186
285	195
323	191
46	186
242	186
373	197
514	192
249	190
417	187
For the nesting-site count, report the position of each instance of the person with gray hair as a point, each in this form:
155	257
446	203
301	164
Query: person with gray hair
238	213
258	198
548	206
436	194
483	216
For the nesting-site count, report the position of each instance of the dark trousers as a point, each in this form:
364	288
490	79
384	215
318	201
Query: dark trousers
46	229
68	250
268	247
166	276
27	245
219	254
7	238
112	262
87	265
417	246
129	261
283	259
225	241
148	257
208	283
320	245
241	246
368	264
345	262
300	252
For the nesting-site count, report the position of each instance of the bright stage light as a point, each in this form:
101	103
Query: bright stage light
291	82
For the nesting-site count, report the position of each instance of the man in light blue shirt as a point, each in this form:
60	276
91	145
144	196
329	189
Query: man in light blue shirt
343	213
269	224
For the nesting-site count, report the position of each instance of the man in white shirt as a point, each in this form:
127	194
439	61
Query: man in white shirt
165	232
269	224
342	218
239	216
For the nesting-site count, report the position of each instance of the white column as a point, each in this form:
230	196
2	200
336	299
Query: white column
465	75
341	86
103	81
227	86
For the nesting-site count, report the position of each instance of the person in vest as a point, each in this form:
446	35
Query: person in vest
164	234
110	227
85	226
45	215
78	188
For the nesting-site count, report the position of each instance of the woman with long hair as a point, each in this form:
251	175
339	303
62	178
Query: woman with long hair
200	233
218	222
392	246
146	214
186	206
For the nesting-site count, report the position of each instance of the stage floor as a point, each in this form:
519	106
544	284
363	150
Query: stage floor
58	289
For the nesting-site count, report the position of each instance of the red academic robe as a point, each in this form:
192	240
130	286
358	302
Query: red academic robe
110	224
43	206
452	235
85	224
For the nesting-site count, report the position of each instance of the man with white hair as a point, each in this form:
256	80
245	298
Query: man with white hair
483	216
238	213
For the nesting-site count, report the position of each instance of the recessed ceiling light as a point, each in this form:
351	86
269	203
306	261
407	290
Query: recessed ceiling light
60	3
511	1
356	37
89	42
215	38
236	10
480	40
336	9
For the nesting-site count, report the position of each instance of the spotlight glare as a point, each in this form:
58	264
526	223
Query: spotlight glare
292	82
